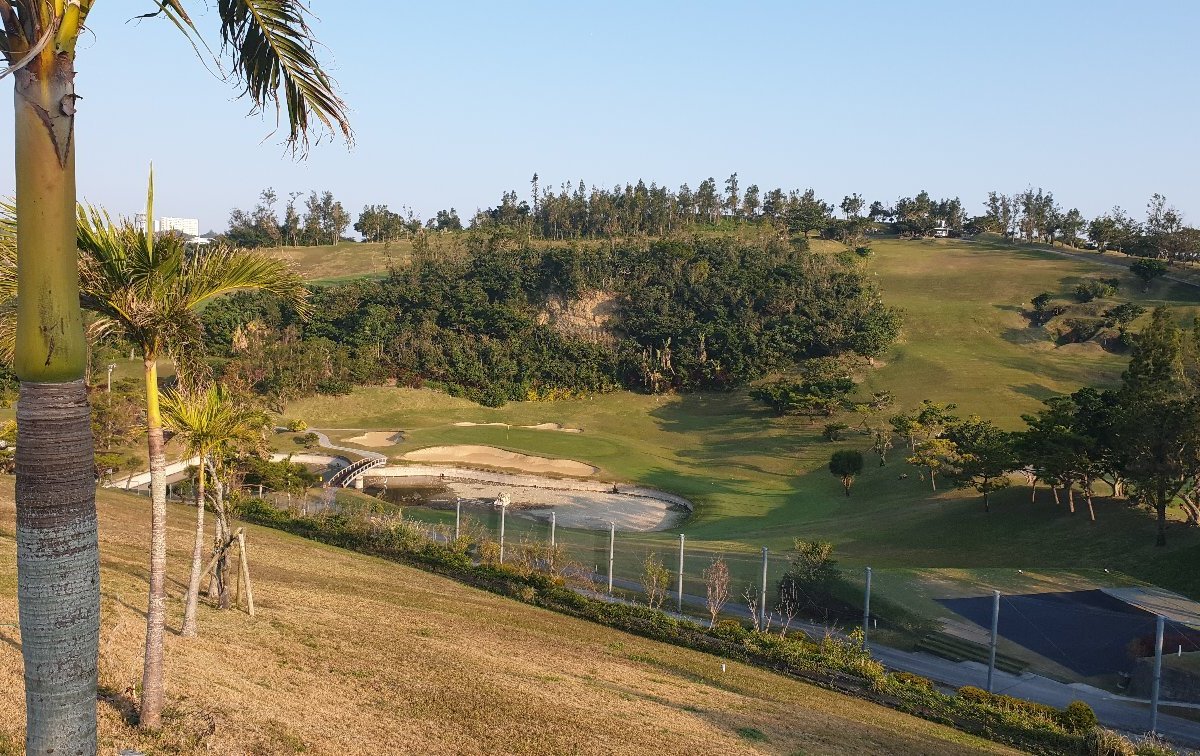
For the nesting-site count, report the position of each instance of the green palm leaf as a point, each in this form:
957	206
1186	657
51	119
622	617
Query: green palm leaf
273	53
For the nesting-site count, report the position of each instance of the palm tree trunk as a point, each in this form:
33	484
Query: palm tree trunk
58	568
58	579
193	594
153	685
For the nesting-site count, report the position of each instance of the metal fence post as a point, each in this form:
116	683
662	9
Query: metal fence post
1158	648
457	516
502	512
762	599
867	608
679	598
552	524
612	539
992	648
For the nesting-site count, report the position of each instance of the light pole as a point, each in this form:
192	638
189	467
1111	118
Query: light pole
111	365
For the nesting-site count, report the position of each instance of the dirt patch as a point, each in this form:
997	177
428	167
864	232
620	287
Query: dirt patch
586	318
377	438
540	426
490	456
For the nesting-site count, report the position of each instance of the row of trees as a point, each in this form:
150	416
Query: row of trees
324	221
1141	439
576	211
1035	215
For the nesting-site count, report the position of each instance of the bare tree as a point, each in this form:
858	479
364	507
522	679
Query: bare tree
752	604
655	579
716	584
788	605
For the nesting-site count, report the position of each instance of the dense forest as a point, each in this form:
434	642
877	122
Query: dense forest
503	321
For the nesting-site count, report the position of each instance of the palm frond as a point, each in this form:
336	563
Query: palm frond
208	418
274	57
219	270
8	250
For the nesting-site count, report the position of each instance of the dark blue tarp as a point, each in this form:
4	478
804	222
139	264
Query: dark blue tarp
1088	632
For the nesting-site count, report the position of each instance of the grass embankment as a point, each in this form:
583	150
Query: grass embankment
761	480
352	654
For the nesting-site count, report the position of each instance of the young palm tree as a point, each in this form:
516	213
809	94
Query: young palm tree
273	62
150	291
210	421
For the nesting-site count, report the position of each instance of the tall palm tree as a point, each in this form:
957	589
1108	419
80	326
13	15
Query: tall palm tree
273	62
210	422
150	291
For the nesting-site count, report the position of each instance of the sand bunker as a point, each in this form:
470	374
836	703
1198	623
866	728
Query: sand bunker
490	456
377	438
540	426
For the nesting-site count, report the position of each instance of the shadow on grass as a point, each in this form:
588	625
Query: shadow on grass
123	702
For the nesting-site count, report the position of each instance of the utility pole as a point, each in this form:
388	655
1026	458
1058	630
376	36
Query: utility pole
867	609
1154	691
612	539
992	648
762	598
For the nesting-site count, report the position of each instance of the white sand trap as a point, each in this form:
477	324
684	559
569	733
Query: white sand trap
540	426
377	438
490	456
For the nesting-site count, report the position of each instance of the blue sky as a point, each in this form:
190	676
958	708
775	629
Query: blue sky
454	103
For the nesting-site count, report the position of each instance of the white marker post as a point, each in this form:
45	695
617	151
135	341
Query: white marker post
457	516
552	524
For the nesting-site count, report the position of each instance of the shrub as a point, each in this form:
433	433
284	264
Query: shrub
1102	742
833	431
908	679
1078	717
297	426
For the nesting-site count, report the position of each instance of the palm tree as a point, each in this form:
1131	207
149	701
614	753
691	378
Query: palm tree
150	291
273	62
210	421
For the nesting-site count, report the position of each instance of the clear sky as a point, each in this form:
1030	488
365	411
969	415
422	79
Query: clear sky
454	103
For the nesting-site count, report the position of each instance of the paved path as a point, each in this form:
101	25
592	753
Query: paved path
324	441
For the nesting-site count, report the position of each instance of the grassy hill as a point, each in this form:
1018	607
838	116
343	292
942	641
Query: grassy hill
350	654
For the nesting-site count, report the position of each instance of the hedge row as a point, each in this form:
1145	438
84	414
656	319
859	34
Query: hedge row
832	663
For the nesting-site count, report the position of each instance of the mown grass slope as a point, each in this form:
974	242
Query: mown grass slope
351	654
761	480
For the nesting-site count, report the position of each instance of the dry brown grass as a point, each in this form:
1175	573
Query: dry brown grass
351	654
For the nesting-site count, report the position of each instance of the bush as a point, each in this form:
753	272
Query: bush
1095	289
1078	717
833	431
909	680
297	426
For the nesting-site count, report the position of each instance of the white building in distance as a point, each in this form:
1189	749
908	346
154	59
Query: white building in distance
185	226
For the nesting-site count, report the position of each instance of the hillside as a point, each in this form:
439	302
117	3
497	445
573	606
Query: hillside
350	654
